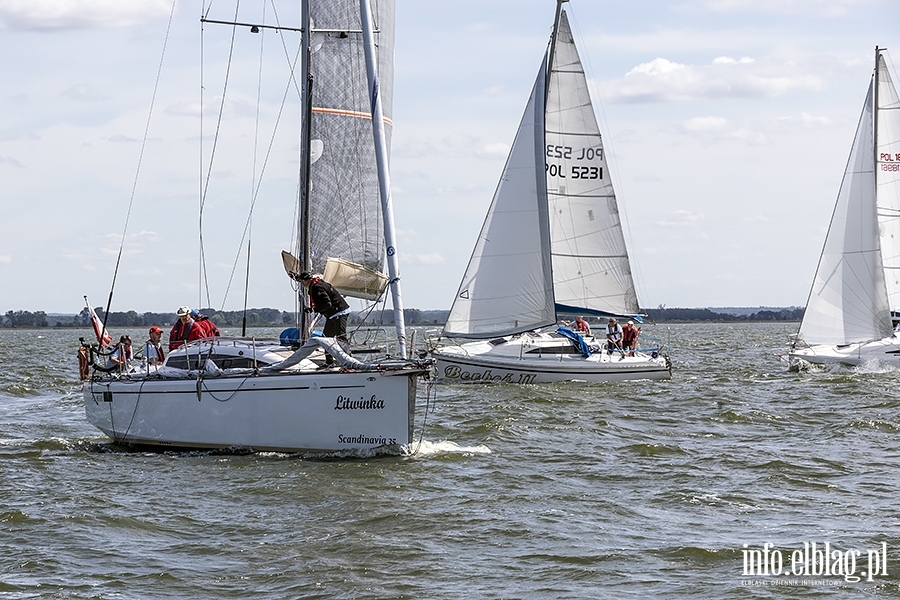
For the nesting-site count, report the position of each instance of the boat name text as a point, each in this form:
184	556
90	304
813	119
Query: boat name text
345	403
365	439
454	372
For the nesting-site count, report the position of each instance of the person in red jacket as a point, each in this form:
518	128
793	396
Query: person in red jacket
209	328
185	329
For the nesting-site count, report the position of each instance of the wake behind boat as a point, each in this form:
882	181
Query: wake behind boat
855	296
276	395
552	243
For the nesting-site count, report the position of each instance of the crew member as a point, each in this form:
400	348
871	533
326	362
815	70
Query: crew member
629	337
121	356
209	328
185	329
613	334
153	351
581	326
327	301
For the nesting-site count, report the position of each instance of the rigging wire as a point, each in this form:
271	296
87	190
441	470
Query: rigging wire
204	275
137	172
259	181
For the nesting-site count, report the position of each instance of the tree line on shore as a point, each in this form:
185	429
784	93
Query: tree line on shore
256	317
269	317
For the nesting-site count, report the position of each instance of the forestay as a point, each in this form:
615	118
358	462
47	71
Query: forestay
345	209
848	301
508	287
591	271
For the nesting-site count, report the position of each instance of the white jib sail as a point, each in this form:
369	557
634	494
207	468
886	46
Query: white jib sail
590	262
848	301
508	286
887	177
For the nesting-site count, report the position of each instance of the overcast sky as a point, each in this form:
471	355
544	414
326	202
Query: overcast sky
729	123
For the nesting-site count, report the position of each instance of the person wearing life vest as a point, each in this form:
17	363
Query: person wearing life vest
209	328
328	302
629	337
121	356
581	326
613	334
185	329
153	352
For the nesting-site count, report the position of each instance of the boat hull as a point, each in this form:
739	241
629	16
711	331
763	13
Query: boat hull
330	411
518	362
886	351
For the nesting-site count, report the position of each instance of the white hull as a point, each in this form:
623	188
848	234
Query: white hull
885	351
542	358
300	409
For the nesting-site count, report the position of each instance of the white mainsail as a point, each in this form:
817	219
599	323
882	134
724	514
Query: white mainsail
507	287
591	272
345	219
849	301
887	168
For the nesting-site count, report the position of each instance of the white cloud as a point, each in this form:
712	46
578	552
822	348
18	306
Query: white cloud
5	258
496	150
702	124
662	80
432	258
82	93
819	8
62	14
812	121
10	161
680	218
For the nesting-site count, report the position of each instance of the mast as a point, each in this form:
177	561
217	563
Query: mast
875	116
384	183
306	81
553	35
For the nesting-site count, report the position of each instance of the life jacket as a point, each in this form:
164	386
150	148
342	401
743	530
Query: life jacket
181	334
159	351
582	326
629	334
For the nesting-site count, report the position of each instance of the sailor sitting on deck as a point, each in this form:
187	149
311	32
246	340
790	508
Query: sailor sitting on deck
581	326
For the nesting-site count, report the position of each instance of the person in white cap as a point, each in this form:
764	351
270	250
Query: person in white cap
629	337
185	329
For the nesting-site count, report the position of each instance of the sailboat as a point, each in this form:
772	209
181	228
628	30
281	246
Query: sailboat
855	294
269	395
551	244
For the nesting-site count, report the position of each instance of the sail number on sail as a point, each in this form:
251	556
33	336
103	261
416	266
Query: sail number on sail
577	171
890	158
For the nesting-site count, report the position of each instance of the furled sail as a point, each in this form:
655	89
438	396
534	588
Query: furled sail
591	272
508	286
345	219
848	301
887	177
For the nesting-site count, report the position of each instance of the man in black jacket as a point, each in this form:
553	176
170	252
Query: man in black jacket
327	301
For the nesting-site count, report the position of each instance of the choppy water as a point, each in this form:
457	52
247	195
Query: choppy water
627	490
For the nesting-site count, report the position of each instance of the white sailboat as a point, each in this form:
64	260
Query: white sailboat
241	392
552	242
856	289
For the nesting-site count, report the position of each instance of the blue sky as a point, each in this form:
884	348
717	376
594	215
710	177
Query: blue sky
728	122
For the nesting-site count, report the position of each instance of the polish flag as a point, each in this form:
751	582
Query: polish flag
105	338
